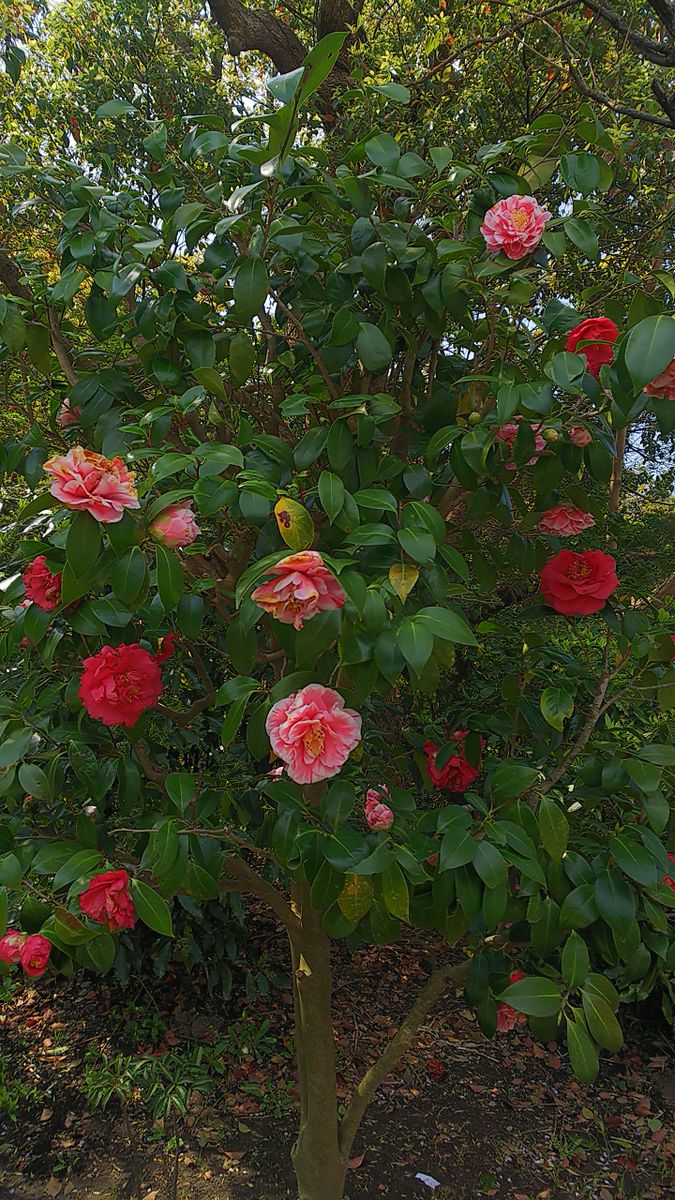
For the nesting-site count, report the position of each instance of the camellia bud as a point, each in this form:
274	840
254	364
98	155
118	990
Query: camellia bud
551	435
474	418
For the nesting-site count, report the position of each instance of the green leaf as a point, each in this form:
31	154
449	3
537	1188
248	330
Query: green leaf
534	995
415	643
190	616
294	523
446	624
490	865
181	788
649	348
582	1052
164	847
661	755
98	953
15	744
331	494
579	908
395	892
458	848
373	348
556	705
233	720
151	908
4	906
170	577
113	108
576	962
418	543
393	91
318	65
634	859
554	828
356	897
83	543
82	863
285	835
11	871
583	236
128	575
251	284
603	987
34	781
241	358
646	775
602	1024
383	150
615	899
511	780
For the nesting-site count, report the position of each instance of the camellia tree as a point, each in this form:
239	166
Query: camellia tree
294	611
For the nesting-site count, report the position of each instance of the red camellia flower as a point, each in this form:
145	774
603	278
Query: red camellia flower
507	1017
35	953
106	900
578	584
119	683
667	879
580	436
457	774
167	647
42	587
565	520
10	946
509	432
599	334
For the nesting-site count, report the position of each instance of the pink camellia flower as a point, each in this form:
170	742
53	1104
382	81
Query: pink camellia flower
514	225
599	334
313	732
88	482
35	953
457	774
107	900
507	1017
578	584
42	587
119	683
301	586
667	879
663	387
67	415
378	814
175	526
509	432
10	946
565	520
580	437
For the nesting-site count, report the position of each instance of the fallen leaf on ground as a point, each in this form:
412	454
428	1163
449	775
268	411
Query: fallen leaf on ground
356	1161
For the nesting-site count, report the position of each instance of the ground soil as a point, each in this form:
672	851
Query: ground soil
501	1119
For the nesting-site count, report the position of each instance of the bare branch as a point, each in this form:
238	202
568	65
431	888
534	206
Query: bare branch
402	1040
257	29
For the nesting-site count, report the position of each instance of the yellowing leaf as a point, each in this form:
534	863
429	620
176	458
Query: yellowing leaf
356	897
295	523
403	577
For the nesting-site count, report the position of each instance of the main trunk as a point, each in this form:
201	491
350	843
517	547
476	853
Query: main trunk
319	1164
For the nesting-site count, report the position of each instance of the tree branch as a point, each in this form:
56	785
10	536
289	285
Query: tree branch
594	714
399	1044
655	52
248	880
256	29
302	336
